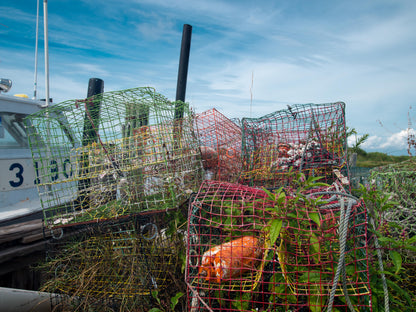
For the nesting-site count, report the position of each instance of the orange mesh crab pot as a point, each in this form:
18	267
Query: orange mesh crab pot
220	140
308	138
283	250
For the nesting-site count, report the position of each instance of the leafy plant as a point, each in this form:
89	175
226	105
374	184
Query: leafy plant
393	245
305	237
173	302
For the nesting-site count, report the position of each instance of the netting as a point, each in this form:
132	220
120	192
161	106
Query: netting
113	154
111	264
220	140
359	175
309	138
398	223
110	167
253	250
398	179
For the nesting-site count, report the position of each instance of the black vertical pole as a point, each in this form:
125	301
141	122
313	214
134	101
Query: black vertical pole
92	111
183	69
89	135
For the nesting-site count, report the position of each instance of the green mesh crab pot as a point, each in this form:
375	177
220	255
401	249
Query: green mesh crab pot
114	154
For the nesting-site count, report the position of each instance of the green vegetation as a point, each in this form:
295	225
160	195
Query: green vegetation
395	248
376	159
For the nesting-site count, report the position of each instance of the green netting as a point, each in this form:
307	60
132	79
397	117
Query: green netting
396	225
398	179
359	175
113	154
309	138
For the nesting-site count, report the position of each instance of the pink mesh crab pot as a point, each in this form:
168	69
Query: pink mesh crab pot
288	249
220	140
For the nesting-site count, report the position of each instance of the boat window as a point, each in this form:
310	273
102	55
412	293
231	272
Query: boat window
12	131
51	131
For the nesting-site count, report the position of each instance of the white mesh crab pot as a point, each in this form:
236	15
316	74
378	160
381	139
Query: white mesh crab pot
220	140
309	138
284	250
114	154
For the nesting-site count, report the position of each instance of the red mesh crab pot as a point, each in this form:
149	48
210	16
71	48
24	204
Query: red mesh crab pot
220	140
308	138
282	250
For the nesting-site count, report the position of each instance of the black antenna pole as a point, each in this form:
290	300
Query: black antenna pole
183	69
89	136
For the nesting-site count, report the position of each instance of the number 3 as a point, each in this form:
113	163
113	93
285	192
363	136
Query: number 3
18	174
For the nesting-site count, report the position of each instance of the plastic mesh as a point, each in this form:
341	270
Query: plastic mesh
237	260
309	138
110	263
398	179
114	154
398	223
220	140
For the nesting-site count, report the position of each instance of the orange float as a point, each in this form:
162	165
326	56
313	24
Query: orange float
230	259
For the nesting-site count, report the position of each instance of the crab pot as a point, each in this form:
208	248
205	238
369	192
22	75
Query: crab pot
308	138
140	159
110	264
255	250
220	140
398	223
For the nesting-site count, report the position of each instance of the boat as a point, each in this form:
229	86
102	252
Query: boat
19	196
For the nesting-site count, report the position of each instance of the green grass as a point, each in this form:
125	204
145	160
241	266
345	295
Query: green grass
376	159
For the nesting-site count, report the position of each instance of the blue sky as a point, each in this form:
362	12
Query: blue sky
248	58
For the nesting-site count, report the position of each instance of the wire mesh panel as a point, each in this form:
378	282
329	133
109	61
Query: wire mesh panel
220	140
109	264
310	138
399	179
287	250
113	154
397	226
359	175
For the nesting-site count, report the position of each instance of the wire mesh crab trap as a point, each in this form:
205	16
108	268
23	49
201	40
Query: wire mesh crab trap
286	250
309	138
111	264
397	226
114	154
220	140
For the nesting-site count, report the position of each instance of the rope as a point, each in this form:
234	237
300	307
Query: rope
199	298
341	265
380	264
343	230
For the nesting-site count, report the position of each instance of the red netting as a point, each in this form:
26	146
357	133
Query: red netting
254	250
309	138
220	140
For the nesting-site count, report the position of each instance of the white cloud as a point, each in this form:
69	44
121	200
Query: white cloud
92	69
396	141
